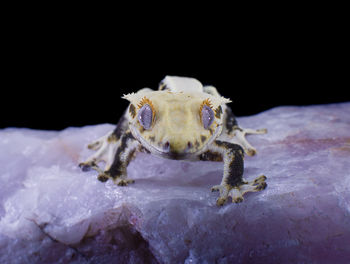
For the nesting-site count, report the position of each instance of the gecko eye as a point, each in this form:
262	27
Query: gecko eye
145	116
207	116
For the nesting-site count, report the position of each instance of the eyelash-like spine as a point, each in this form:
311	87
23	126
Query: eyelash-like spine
144	101
205	102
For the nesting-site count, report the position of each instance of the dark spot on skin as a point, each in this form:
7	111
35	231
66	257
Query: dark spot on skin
223	144
112	138
131	156
118	167
144	150
203	138
233	148
230	120
196	144
235	170
211	156
218	112
162	86
152	138
122	126
132	110
211	131
236	164
102	177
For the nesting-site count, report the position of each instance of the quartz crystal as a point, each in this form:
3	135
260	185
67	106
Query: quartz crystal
52	212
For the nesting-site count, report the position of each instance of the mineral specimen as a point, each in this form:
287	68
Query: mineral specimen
51	212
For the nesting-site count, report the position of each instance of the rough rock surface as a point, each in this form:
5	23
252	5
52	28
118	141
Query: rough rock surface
52	212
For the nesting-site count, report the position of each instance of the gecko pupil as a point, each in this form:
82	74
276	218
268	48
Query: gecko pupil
207	116
145	116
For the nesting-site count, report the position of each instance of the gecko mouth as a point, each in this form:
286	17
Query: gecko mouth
179	156
167	151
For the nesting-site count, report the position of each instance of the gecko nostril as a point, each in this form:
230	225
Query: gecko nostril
166	146
189	145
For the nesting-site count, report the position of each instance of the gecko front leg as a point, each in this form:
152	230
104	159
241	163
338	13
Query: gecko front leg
116	149
232	183
125	153
235	134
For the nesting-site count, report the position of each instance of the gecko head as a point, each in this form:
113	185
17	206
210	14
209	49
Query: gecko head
175	125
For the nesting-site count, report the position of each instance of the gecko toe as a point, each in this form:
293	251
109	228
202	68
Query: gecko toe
125	182
84	167
261	186
215	188
102	177
251	152
221	201
237	199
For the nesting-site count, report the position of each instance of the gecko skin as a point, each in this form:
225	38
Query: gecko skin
182	120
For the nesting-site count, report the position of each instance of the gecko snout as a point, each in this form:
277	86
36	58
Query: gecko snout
177	148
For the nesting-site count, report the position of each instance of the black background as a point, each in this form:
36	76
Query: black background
71	72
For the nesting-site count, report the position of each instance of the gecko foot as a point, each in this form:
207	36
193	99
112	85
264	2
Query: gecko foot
124	182
237	192
90	165
105	149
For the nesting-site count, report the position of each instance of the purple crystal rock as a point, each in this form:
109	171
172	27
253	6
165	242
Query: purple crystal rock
52	212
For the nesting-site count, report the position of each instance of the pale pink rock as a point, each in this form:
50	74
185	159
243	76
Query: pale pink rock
52	212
